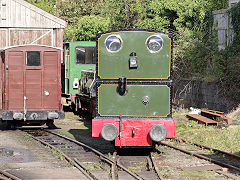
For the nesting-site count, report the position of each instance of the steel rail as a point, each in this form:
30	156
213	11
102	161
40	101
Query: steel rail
150	163
8	175
114	167
83	170
155	167
209	148
202	157
105	158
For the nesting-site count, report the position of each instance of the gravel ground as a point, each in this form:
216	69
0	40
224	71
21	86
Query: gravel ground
177	165
25	158
28	159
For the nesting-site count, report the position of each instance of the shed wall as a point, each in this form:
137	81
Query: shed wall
23	36
19	13
3	37
23	23
222	24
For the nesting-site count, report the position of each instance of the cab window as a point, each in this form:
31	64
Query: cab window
85	55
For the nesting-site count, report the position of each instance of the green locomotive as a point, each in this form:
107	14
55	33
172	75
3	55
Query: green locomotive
133	87
78	56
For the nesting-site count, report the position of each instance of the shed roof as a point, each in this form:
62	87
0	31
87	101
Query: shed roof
21	14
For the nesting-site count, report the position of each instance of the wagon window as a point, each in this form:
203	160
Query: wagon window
85	55
33	59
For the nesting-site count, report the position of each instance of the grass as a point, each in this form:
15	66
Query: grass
226	139
66	133
93	166
139	166
26	135
192	175
57	153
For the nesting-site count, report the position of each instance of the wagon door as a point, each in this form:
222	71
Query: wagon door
33	80
50	80
15	82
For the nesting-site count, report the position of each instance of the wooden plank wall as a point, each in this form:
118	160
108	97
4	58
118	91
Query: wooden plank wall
31	36
22	14
3	36
223	27
22	23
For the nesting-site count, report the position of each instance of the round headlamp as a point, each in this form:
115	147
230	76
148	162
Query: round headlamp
113	43
154	44
109	132
158	132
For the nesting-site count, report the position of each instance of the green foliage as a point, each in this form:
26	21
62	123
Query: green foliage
73	10
235	15
47	5
231	66
86	28
165	15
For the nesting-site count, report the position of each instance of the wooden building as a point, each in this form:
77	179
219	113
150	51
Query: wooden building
233	2
222	24
23	23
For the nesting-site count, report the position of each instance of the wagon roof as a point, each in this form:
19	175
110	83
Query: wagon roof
9	47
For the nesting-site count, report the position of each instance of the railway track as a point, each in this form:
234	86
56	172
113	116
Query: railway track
229	161
95	165
7	176
143	165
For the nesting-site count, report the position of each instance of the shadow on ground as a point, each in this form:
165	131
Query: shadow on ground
84	135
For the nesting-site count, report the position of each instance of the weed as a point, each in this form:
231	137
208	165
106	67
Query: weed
66	133
93	166
164	171
195	174
110	155
227	139
56	153
26	135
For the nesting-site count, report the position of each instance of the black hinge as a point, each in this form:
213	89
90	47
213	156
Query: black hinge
6	69
7	104
59	105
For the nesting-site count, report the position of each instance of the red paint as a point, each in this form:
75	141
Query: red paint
142	128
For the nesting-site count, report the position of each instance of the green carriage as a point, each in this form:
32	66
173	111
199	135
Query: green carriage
78	56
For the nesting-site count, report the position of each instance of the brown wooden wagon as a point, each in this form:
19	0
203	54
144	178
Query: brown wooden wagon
30	84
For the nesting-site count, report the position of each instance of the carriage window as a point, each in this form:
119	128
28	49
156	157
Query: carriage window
85	55
33	59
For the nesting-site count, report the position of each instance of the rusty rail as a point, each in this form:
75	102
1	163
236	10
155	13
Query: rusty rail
83	170
114	166
103	157
155	167
233	156
5	175
202	157
78	165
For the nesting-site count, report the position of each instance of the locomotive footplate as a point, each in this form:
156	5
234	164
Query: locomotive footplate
130	132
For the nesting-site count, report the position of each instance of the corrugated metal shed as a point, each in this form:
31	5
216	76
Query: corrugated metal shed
23	23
